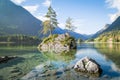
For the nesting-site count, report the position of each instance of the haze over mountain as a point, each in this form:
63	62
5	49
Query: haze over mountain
16	20
115	26
101	31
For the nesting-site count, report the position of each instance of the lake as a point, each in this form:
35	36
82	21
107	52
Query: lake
30	61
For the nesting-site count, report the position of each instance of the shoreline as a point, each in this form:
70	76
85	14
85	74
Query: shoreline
7	42
103	42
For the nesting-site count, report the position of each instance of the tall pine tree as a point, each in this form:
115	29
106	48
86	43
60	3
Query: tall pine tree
51	23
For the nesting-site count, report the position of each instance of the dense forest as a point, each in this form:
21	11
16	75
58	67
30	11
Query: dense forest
19	38
112	36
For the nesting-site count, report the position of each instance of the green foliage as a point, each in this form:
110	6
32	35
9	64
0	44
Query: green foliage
90	40
55	35
79	40
51	23
19	39
45	40
69	24
50	38
112	36
67	40
47	26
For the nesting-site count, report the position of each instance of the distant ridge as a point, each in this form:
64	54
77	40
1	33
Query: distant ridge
74	34
115	26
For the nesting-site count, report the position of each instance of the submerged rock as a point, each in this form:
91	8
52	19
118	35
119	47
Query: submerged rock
87	65
6	58
58	43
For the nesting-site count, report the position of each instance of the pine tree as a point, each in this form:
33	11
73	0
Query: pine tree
69	24
51	23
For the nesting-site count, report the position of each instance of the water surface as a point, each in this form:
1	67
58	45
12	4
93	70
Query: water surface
30	60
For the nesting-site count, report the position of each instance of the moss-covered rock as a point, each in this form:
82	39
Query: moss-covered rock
57	43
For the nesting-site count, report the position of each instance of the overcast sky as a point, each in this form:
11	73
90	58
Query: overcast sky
88	16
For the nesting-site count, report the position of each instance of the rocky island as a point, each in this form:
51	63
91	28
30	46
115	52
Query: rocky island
58	43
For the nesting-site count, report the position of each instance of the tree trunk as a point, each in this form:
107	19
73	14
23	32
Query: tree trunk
50	32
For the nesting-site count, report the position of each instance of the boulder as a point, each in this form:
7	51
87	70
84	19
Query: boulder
87	65
92	67
6	58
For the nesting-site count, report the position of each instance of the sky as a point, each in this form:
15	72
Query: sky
88	16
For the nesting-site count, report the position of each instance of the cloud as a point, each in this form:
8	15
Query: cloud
42	18
18	2
47	3
61	25
114	16
32	9
115	4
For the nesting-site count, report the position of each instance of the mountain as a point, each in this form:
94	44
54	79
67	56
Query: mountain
87	36
16	20
101	31
115	26
111	36
76	35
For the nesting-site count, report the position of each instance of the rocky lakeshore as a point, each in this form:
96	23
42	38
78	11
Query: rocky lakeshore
63	71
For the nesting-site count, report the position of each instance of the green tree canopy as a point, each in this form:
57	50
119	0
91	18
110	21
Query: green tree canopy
69	24
51	23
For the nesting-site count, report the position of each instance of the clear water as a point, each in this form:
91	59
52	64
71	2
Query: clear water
30	60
